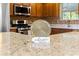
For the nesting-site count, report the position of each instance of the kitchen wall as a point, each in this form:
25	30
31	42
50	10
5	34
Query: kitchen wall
5	17
51	20
60	21
0	18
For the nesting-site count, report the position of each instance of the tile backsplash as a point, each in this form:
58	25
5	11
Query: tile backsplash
51	20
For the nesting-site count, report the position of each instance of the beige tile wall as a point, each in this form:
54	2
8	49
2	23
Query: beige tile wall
51	20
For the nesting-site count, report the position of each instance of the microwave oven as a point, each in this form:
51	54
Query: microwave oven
22	10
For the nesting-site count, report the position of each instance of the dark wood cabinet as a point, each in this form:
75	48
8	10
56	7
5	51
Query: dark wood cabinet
59	30
40	9
11	9
23	4
13	30
26	4
51	9
33	9
36	9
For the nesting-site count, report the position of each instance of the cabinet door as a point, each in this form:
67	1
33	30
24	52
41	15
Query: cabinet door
51	9
56	9
19	4
45	10
36	9
59	30
55	31
13	30
26	4
11	8
33	9
39	9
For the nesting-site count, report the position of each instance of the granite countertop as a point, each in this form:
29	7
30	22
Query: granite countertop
19	44
65	26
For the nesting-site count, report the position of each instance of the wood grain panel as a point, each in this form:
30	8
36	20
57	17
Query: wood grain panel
39	9
51	9
11	8
33	9
59	30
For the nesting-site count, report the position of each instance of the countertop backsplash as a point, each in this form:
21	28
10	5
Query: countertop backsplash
51	20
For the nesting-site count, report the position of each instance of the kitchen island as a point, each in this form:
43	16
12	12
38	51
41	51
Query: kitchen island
16	44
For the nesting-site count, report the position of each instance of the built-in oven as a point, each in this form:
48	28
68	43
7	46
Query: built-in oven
15	22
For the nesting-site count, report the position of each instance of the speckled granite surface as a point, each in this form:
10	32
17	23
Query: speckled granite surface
16	44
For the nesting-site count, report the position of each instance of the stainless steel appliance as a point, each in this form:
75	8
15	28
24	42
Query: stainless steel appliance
22	10
21	22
